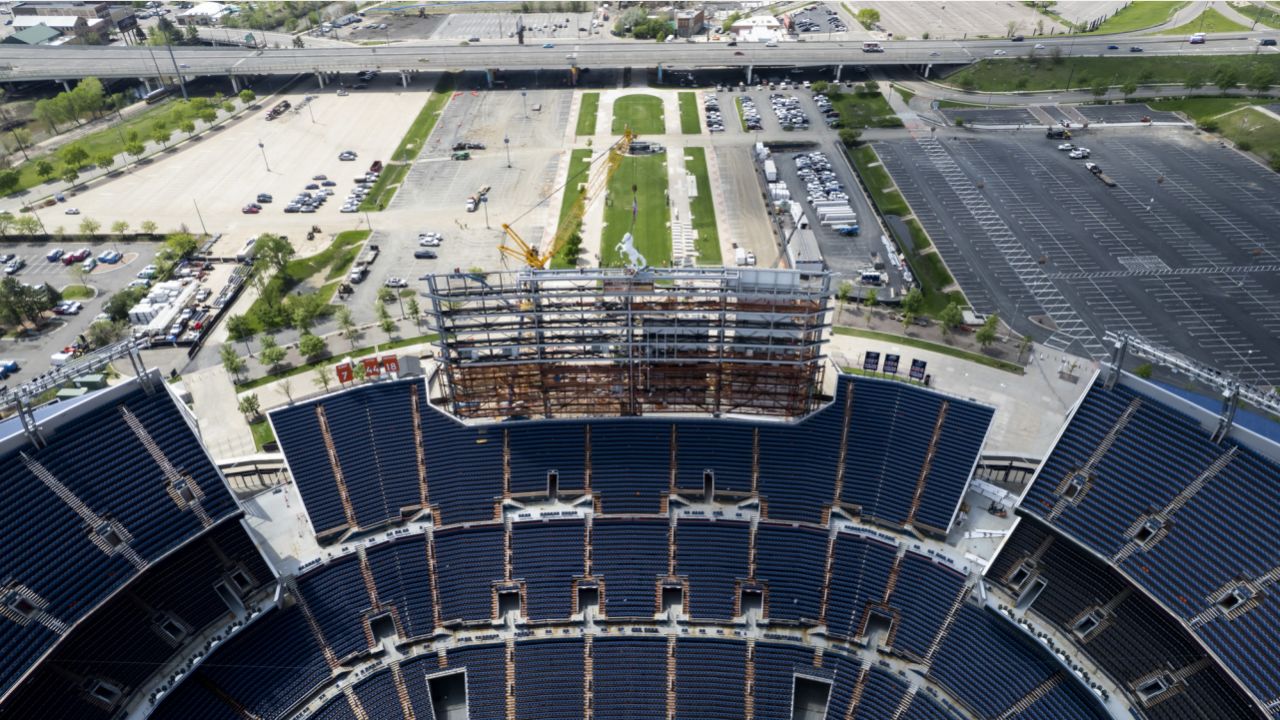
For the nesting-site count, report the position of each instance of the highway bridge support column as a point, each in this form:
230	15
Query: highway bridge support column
235	84
749	68
927	68
320	79
488	78
659	73
404	78
65	85
146	84
838	69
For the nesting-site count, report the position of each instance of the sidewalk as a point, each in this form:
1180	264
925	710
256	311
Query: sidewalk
223	428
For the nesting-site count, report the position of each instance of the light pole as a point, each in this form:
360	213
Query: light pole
37	216
368	221
263	148
182	81
506	141
203	229
523	104
484	200
311	112
23	148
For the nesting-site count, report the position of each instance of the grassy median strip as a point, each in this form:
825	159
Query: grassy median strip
1204	108
647	174
1083	72
388	182
1138	16
642	113
883	192
579	165
702	206
1210	21
587	114
690	121
954	352
741	119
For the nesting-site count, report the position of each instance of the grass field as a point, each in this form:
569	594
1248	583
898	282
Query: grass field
333	261
77	292
1265	15
648	174
1137	16
1007	75
703	208
579	162
262	433
642	113
1203	108
690	120
1253	131
926	345
587	114
862	111
1210	21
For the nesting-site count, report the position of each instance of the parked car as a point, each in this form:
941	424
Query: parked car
73	211
395	282
264	197
54	255
424	254
251	209
90	264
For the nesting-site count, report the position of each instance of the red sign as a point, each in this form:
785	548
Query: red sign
370	367
390	364
345	373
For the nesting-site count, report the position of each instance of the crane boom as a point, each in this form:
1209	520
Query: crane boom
516	247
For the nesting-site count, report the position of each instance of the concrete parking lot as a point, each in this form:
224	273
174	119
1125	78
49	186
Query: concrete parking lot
1181	251
33	351
204	184
538	26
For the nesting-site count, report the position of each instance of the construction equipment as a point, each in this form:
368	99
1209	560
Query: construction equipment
597	181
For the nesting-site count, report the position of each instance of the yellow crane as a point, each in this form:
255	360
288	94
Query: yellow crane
515	246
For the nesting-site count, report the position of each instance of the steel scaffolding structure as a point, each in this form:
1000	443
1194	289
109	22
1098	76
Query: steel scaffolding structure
614	342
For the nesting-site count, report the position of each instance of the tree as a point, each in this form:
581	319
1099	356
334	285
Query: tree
1055	55
105	332
73	156
273	251
231	361
44	169
188	127
70	175
913	301
148	227
850	136
6	222
1009	27
250	406
9	181
819	87
26	225
120	227
415	313
1128	88
322	379
347	325
1262	79
241	329
1226	79
908	319
48	112
161	134
870	87
270	354
1099	88
385	323
843	292
1144	371
951	317
89	226
870	303
191	35
298	42
386	295
1023	346
311	346
228	107
987	333
247	96
207	115
135	148
733	17
105	161
867	17
180	244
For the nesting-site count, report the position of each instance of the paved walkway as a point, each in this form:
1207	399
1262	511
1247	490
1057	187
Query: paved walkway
223	428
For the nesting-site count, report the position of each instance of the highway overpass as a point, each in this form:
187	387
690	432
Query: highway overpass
18	64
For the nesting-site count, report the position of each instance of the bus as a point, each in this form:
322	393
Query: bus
872	47
157	95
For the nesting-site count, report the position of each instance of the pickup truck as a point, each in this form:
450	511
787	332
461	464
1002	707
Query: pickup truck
1097	170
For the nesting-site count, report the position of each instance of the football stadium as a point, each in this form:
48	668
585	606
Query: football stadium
640	493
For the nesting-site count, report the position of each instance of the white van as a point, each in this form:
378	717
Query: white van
771	43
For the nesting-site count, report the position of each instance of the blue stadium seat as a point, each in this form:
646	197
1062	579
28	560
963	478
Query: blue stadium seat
630	555
860	575
336	595
924	593
713	556
548	555
468	562
710	679
792	561
630	678
549	677
987	664
402	572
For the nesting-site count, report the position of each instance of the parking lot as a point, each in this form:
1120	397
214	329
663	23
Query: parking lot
1181	251
538	26
434	193
206	184
821	21
32	352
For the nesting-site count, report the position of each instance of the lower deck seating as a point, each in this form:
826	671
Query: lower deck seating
486	678
547	556
792	561
984	662
402	574
714	557
710	678
336	595
468	562
549	679
630	678
630	556
860	574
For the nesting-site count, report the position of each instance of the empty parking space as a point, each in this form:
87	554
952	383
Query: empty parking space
542	27
1179	251
1127	113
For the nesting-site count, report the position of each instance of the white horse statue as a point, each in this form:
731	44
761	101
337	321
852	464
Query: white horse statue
628	247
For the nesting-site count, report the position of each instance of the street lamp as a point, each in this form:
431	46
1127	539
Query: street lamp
484	200
263	148
523	104
506	141
203	229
